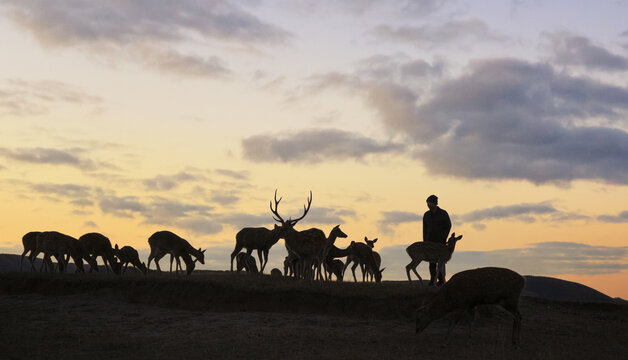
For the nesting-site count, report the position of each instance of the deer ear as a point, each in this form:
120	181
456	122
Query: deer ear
375	240
117	247
453	234
382	270
365	238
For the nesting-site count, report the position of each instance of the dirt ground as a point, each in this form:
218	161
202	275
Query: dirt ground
105	324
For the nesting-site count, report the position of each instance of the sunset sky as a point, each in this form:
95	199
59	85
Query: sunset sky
129	117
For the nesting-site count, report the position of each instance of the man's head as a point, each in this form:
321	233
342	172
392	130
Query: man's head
432	202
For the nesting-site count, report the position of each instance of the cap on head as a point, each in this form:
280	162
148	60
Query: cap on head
432	199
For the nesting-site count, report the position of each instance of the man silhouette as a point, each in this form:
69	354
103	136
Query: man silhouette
436	226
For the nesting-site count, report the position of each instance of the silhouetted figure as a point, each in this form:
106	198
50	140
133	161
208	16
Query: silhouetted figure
436	226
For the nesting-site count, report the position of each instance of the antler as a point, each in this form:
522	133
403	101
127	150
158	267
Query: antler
274	211
305	210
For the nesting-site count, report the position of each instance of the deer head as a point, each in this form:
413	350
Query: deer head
370	243
287	225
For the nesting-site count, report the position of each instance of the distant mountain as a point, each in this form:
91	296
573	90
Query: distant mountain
556	289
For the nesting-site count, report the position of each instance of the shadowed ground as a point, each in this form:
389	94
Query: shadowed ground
219	315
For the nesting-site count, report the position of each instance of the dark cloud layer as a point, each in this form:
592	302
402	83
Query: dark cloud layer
145	31
569	49
544	258
314	146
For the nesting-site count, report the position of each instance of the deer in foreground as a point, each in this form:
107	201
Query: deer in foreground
335	233
356	261
468	289
246	262
29	240
364	254
306	245
260	239
276	272
99	245
431	252
166	242
128	254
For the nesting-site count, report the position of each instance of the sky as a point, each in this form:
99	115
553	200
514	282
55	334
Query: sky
131	117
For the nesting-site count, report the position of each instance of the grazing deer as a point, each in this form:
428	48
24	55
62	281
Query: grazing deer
127	255
260	239
246	262
364	254
99	245
29	240
356	261
431	252
61	247
378	263
335	267
468	289
306	245
166	242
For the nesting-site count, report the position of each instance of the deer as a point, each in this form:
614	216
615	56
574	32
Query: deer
378	263
260	239
335	233
62	247
431	252
247	262
335	267
470	288
29	240
166	242
99	245
306	245
353	259
128	254
364	254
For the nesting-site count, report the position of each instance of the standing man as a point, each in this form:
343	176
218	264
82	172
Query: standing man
436	226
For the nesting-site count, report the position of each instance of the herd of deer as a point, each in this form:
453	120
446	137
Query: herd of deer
309	253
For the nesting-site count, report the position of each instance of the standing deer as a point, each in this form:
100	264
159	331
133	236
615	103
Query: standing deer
127	255
306	245
260	239
468	289
356	261
335	267
29	240
431	252
364	254
99	245
166	242
331	239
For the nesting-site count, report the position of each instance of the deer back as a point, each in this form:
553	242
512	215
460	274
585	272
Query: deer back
257	238
428	251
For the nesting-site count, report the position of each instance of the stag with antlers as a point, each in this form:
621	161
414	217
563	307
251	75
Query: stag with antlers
307	245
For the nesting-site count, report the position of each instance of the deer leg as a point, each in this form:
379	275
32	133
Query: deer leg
235	252
512	307
261	260
22	258
432	273
355	265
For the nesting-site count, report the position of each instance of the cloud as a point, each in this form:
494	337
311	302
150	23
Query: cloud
569	49
409	8
392	218
237	175
622	217
145	31
241	220
544	258
169	182
399	67
437	35
517	211
31	98
314	146
50	156
160	211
